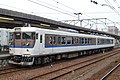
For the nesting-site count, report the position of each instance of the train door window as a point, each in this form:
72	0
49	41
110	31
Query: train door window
36	35
40	38
82	40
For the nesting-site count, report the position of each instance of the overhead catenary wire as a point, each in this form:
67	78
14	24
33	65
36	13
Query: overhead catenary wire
65	5
75	10
117	3
112	7
26	11
51	8
71	8
54	6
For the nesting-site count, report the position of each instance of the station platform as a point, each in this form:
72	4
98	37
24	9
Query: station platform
4	55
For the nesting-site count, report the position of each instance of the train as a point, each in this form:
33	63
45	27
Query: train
4	39
33	46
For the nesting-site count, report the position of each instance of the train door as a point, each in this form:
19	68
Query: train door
39	44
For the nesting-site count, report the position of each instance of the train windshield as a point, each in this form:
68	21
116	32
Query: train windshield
23	39
28	35
25	35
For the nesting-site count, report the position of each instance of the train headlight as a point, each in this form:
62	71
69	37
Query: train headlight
26	55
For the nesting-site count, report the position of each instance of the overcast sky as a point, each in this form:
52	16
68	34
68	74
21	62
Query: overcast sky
65	9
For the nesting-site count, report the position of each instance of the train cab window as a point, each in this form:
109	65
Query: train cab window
40	38
28	35
18	35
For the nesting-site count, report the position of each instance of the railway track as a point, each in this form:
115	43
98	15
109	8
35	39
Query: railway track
71	68
52	73
9	70
108	74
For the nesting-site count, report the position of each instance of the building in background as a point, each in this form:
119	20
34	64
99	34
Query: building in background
113	30
118	33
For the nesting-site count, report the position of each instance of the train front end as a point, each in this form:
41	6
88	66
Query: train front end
22	41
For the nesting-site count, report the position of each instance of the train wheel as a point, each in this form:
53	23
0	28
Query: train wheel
37	61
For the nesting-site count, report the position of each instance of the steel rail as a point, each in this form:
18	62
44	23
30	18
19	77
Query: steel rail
106	75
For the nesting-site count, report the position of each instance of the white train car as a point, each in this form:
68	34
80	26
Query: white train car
31	45
4	39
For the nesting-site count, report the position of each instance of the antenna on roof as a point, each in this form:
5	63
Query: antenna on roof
27	25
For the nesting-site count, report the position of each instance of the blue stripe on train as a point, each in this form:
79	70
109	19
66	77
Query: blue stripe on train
52	46
69	45
21	46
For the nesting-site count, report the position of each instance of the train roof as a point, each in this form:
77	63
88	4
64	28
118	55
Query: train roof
49	31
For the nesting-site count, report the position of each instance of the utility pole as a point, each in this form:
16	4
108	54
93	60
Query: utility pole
78	14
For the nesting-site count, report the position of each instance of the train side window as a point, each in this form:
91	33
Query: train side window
73	40
63	40
54	40
59	40
82	40
79	40
36	35
51	40
40	38
86	40
69	40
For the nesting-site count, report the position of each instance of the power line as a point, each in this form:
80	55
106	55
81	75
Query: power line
24	10
64	5
16	8
51	8
117	3
71	8
112	7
